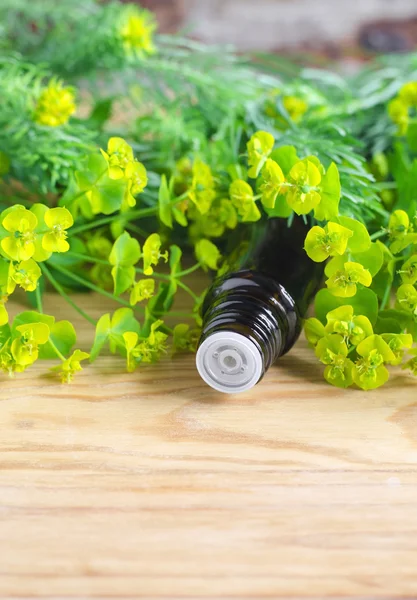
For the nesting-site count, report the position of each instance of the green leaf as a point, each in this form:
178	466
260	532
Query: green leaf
110	329
281	208
372	259
123	279
63	336
102	111
164	201
360	241
123	320
412	136
314	330
387	325
365	302
101	337
107	195
400	316
123	256
175	254
286	157
31	316
330	191
405	176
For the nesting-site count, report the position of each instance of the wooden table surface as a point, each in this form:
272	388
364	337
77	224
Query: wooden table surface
151	485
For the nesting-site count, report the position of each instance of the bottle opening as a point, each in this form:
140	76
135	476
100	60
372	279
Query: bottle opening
229	362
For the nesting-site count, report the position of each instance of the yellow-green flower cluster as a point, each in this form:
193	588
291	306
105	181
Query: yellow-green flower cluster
71	365
401	108
294	106
144	350
136	30
352	352
21	347
286	183
346	343
28	237
122	165
55	105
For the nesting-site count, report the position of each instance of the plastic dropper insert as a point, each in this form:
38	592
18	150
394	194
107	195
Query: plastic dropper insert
252	316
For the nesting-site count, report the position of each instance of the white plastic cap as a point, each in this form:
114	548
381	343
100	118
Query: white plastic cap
229	362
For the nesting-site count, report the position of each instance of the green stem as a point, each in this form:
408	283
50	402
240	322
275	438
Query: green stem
55	349
38	297
188	290
91	259
63	293
102	261
136	229
189	271
378	234
386	297
91	286
134	214
91	225
128	216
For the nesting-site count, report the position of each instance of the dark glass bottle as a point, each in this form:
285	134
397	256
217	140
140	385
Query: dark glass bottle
252	315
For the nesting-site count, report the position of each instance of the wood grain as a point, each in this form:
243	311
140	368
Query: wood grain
151	485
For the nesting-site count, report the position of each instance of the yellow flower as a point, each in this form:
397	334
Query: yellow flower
137	183
55	105
408	93
151	253
207	254
21	223
8	364
142	290
4	317
145	350
137	32
25	274
25	348
241	195
398	112
272	180
303	194
259	148
202	191
295	107
71	365
119	157
58	220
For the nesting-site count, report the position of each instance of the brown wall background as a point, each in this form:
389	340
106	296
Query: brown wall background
335	28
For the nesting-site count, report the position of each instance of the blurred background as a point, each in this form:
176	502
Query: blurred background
327	29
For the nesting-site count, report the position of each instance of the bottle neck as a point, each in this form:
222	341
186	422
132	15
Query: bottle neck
256	306
252	316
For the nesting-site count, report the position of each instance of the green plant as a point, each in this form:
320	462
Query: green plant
104	180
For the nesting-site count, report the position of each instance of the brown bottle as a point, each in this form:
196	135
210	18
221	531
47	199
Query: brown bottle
253	315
